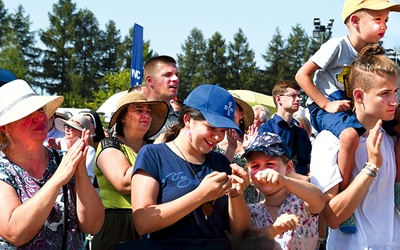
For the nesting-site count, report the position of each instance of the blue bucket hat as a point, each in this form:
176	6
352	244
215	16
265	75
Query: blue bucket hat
269	144
216	104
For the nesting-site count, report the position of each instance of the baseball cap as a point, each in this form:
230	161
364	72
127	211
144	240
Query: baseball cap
351	6
215	103
269	144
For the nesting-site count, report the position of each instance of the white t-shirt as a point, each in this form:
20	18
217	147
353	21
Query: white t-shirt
335	58
377	219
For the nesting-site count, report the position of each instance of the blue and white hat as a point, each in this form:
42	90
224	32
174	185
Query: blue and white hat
269	144
216	104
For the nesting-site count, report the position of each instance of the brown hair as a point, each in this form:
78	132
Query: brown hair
281	87
173	132
152	63
372	61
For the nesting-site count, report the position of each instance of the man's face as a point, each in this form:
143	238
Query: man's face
165	81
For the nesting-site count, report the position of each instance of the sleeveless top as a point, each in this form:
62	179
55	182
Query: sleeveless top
110	196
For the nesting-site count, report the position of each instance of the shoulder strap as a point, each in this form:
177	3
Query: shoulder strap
111	142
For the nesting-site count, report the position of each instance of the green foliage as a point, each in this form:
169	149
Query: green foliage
11	56
241	66
87	65
191	63
216	60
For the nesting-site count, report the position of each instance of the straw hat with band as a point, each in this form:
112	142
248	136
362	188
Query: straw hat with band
159	111
78	122
248	112
18	100
351	6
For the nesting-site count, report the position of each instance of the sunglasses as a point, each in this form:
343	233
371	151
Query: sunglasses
68	127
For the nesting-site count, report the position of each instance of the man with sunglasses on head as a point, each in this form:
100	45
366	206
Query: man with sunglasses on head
287	99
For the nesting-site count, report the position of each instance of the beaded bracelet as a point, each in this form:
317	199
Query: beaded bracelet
373	167
368	172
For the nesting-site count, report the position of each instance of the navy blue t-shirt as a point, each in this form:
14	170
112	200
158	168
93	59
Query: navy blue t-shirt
176	179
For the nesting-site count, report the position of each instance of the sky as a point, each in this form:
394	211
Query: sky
167	24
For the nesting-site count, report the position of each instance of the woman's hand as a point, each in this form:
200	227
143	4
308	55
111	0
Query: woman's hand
70	161
215	185
52	143
231	137
240	180
249	136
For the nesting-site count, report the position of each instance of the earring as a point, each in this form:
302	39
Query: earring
186	132
362	104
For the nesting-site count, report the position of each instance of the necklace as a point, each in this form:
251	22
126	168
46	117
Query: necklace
206	208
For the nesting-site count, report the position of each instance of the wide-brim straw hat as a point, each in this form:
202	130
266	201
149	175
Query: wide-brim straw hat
18	100
78	122
159	111
248	111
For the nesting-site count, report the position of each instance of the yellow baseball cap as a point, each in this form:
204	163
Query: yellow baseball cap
351	6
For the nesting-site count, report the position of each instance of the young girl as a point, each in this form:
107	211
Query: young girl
182	190
291	206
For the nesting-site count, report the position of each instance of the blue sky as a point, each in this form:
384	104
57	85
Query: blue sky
168	23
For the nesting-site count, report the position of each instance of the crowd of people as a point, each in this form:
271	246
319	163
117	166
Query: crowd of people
214	172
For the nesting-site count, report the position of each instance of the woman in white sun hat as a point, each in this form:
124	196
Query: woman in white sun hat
46	204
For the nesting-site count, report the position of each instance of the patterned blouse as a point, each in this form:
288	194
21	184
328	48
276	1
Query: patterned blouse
51	234
304	237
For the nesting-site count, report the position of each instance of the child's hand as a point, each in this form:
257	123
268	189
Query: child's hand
337	106
240	180
285	222
269	177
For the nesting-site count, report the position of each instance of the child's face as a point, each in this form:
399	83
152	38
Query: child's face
258	161
372	25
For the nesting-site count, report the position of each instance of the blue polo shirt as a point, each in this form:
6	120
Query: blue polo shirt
288	133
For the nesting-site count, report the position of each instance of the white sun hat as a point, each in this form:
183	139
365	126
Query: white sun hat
18	100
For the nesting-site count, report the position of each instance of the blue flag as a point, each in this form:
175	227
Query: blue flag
137	56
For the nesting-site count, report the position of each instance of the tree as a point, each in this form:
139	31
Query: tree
25	38
216	60
242	66
191	63
110	43
86	55
58	60
297	51
114	83
276	61
4	22
11	57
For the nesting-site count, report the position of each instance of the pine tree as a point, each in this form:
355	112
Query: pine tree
216	60
191	63
242	66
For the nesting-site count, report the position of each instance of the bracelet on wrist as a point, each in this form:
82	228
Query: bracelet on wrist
233	196
372	166
368	172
